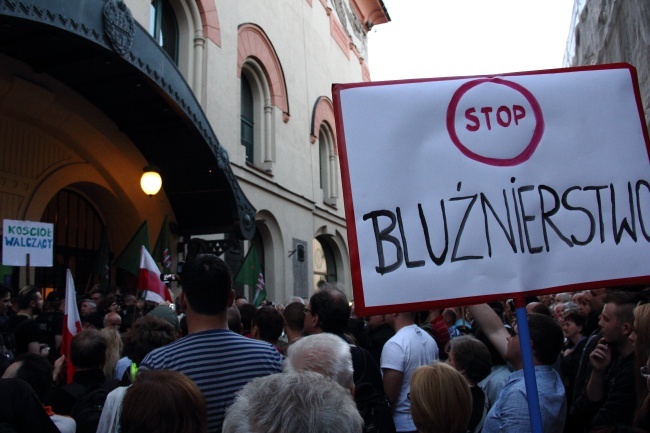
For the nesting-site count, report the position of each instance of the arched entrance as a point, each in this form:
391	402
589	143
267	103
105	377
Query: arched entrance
78	230
324	262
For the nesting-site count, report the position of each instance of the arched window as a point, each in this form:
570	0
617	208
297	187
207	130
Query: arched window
259	68
247	119
257	118
327	165
163	27
322	127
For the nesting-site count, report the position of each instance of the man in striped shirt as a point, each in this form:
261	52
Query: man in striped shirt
219	361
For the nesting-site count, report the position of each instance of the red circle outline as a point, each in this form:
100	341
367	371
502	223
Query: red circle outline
534	141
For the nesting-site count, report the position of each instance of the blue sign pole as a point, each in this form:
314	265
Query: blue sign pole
529	366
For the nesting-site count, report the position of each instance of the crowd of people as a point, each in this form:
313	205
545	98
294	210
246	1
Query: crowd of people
213	362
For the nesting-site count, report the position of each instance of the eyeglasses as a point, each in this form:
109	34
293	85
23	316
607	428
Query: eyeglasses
645	372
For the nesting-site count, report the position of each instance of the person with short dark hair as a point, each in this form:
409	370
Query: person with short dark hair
246	312
211	354
21	410
87	354
26	331
328	311
96	295
7	341
174	404
51	322
378	332
595	298
510	412
5	305
88	350
573	327
609	397
294	321
234	320
471	358
37	372
147	334
267	326
410	348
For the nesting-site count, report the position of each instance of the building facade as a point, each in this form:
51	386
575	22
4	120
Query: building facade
235	109
612	31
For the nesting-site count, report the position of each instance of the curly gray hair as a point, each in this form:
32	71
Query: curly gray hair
294	402
323	353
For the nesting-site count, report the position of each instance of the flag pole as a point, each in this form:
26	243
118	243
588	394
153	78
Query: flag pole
529	366
27	270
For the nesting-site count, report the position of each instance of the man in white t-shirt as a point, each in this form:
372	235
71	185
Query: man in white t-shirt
408	349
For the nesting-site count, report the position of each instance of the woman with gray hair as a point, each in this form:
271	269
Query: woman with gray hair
295	402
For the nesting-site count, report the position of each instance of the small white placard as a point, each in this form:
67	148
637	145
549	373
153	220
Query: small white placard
20	238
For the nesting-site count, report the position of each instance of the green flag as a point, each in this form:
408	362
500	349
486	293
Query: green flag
129	259
250	273
102	268
161	251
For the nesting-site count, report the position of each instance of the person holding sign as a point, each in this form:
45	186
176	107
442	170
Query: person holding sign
510	412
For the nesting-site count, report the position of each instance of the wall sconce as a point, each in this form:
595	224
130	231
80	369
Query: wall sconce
151	182
299	252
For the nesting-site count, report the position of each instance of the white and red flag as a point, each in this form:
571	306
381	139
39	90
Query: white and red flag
71	322
260	290
149	279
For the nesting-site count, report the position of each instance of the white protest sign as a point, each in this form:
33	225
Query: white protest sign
468	189
20	238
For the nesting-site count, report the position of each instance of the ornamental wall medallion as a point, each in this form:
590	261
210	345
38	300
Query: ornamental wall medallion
119	26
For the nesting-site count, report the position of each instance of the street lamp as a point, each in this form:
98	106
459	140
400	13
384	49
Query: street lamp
151	182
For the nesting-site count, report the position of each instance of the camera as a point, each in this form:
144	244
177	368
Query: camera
169	277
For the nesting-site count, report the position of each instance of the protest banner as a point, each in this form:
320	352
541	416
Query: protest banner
27	243
465	190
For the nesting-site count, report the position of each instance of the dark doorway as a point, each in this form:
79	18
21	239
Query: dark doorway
77	236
